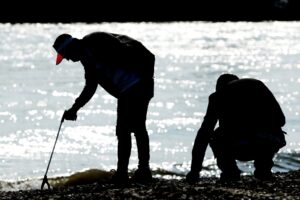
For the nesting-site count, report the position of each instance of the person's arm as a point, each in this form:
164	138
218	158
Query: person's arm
202	140
86	94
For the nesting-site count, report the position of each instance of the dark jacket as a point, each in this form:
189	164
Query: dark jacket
243	109
116	62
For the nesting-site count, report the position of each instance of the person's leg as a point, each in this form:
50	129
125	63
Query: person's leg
263	163
143	174
142	141
141	134
140	97
124	142
124	151
132	112
226	162
230	171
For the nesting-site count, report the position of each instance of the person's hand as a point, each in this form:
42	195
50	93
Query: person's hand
192	177
70	114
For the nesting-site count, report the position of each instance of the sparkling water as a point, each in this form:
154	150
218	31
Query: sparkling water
189	58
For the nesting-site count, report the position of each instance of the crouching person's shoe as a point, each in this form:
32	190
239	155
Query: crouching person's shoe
119	178
142	176
263	175
229	177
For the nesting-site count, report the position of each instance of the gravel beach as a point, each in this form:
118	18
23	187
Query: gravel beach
284	186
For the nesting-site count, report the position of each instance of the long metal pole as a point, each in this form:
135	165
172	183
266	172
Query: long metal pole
45	180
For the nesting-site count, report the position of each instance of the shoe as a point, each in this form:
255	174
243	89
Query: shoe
119	178
225	177
192	177
142	176
263	176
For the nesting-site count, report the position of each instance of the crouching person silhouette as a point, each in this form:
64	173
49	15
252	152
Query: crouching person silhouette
124	67
250	123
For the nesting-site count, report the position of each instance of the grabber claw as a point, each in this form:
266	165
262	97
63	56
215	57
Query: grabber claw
45	181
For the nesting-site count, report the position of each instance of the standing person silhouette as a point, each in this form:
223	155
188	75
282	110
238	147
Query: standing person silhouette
124	67
249	128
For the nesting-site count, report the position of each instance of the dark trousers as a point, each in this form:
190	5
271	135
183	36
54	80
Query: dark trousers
228	151
132	112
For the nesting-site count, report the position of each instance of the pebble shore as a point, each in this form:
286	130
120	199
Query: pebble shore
284	186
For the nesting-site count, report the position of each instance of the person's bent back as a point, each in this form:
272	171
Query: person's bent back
247	105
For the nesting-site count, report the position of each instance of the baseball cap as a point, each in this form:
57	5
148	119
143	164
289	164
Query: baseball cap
60	45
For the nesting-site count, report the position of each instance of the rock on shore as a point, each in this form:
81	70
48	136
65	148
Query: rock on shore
284	186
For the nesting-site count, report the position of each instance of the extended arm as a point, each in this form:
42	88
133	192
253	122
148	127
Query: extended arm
86	94
202	140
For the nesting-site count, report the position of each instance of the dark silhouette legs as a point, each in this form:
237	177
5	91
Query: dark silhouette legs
227	152
132	111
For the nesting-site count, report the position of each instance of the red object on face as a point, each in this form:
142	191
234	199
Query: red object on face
59	58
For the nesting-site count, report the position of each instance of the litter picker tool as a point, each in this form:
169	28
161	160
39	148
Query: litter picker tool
45	180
